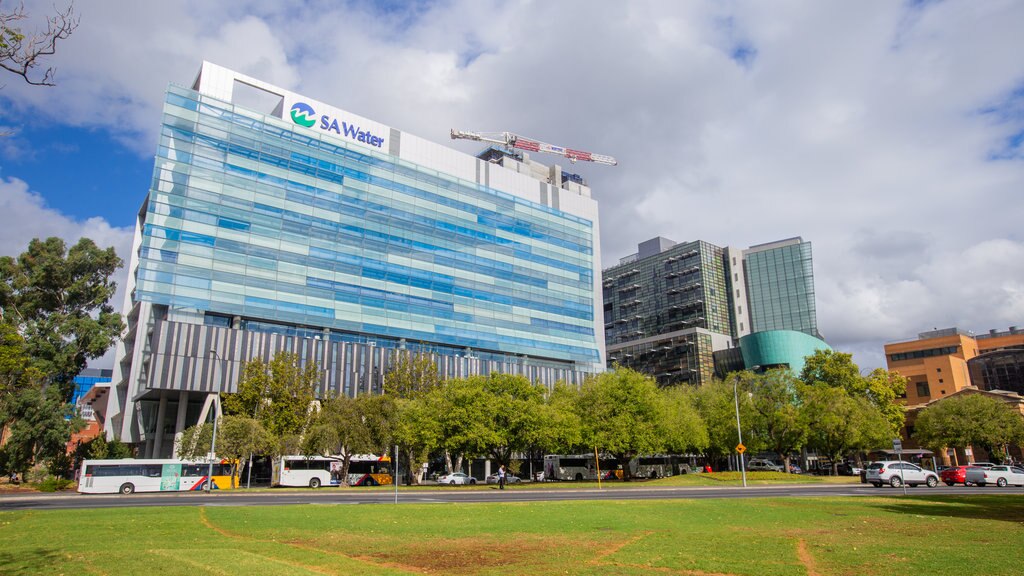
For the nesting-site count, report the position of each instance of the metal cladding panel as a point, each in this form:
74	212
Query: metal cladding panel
181	360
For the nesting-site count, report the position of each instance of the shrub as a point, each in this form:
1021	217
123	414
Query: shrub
53	484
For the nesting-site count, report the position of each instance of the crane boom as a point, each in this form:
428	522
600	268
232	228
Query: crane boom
515	141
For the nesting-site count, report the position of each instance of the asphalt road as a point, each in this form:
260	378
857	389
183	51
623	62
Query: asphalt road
338	496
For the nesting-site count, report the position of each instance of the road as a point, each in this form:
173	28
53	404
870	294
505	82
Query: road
337	496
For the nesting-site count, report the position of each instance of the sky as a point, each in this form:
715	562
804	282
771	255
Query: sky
890	135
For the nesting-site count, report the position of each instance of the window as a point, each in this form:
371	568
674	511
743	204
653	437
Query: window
922	389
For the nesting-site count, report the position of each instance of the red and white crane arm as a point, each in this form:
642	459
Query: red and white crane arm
515	141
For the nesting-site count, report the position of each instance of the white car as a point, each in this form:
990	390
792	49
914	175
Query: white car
896	473
998	475
456	478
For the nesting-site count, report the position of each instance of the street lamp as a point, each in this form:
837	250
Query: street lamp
739	431
213	440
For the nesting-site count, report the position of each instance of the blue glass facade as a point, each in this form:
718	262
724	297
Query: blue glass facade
780	288
251	216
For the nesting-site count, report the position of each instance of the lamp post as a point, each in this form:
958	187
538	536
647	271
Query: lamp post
739	431
213	440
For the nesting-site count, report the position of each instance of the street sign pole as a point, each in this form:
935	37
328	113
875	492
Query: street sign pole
897	445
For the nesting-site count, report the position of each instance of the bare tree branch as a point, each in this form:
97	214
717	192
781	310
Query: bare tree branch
20	53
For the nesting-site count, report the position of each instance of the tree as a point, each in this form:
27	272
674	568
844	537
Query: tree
969	420
562	432
685	430
622	413
838	423
239	437
515	415
340	428
460	408
881	388
57	299
416	428
776	420
40	427
20	54
279	394
411	376
716	405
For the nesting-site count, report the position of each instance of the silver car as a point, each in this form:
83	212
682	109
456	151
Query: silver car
895	473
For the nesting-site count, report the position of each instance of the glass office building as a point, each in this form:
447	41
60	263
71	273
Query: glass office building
780	287
306	228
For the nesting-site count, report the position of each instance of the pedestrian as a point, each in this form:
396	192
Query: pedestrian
501	477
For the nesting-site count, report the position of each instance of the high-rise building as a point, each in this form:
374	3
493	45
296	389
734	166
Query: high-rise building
278	222
686	312
775	281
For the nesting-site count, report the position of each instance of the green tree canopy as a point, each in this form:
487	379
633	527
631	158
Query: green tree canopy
515	415
622	413
716	404
685	431
411	374
340	428
278	393
838	424
562	431
881	388
775	404
57	299
40	426
461	408
969	420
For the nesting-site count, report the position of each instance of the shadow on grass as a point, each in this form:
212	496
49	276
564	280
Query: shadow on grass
27	561
1009	508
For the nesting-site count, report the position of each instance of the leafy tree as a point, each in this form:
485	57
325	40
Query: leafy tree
716	404
460	408
562	432
20	54
685	431
881	388
416	428
839	424
515	415
278	393
239	437
57	299
623	414
969	420
40	427
775	403
340	428
412	376
99	448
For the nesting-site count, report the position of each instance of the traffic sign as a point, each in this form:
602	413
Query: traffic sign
897	445
741	448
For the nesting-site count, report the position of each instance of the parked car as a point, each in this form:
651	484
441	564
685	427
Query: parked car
896	473
998	475
795	469
848	469
456	478
762	465
509	479
982	464
954	475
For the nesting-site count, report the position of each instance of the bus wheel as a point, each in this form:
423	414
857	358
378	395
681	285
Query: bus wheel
579	477
314	483
127	488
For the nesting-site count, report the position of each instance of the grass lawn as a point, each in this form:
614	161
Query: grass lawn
763	537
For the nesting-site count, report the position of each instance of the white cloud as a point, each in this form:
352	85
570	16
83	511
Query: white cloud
866	128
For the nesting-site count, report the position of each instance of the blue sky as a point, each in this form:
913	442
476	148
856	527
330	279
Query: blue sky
890	135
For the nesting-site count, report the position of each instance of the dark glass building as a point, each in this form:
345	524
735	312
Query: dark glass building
998	370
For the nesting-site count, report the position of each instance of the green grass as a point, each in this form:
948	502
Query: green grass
763	537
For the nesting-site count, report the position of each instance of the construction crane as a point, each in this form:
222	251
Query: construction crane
511	140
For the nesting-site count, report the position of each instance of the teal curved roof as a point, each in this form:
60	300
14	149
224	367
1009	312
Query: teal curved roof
779	347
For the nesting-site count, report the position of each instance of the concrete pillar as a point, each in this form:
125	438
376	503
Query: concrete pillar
179	422
158	438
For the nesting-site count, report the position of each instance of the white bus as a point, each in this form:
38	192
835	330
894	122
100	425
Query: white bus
578	467
129	475
317	471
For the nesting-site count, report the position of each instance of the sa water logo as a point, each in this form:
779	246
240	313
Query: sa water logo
303	114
